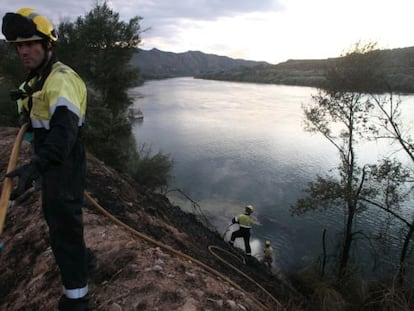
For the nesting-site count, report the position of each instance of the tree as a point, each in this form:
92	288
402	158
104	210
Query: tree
340	113
11	76
387	124
10	65
99	46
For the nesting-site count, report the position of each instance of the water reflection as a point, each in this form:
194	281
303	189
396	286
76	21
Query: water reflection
235	143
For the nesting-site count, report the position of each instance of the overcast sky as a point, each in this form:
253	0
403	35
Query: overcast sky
265	30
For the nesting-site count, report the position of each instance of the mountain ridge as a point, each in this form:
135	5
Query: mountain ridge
398	67
157	64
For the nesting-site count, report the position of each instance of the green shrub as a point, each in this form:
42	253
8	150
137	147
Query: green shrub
8	108
152	171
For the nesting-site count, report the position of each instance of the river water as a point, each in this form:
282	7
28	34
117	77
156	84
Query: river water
234	144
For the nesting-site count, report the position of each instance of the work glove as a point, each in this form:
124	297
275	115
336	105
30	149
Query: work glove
27	174
24	117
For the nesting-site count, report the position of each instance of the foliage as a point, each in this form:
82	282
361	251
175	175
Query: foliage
11	76
8	110
340	112
10	65
323	193
153	171
387	124
351	293
340	118
360	71
328	299
390	177
108	136
99	46
351	108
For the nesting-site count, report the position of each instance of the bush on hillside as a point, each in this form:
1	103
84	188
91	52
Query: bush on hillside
152	171
8	108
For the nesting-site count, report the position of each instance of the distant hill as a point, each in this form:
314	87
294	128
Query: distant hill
398	67
157	64
291	72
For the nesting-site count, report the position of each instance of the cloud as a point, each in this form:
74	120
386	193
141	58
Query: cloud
53	9
164	18
168	18
156	10
195	9
270	30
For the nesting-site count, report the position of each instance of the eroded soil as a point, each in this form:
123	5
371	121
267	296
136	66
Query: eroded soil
132	273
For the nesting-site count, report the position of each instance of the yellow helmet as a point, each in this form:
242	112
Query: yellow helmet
249	209
267	243
27	25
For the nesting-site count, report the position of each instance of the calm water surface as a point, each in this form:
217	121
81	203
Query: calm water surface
234	144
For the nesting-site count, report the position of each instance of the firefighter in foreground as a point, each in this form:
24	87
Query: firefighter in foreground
53	98
245	222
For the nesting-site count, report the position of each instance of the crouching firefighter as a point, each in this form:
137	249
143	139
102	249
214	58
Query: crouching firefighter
268	255
245	222
54	99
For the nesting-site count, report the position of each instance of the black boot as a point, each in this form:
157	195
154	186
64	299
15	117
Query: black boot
80	304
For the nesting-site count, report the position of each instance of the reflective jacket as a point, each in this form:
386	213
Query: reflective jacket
56	111
244	220
63	87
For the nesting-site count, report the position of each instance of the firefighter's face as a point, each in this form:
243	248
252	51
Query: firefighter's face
31	53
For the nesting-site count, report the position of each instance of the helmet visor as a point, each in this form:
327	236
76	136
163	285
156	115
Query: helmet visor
17	26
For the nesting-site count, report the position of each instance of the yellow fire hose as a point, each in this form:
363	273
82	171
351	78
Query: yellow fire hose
8	183
5	195
175	252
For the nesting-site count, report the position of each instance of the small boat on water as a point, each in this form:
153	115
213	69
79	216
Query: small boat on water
135	114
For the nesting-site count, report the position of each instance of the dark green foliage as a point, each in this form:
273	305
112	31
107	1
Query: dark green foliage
150	170
11	76
360	70
322	194
304	73
10	65
99	46
8	108
108	136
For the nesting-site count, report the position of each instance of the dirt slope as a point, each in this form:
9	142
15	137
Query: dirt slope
132	274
